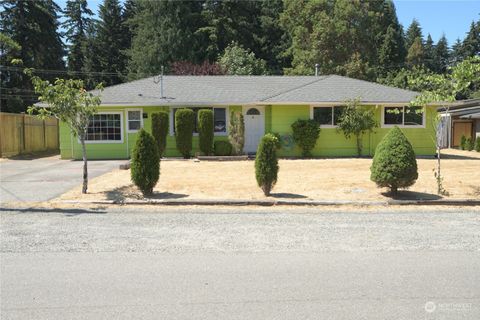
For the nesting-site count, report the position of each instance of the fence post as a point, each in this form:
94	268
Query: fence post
23	133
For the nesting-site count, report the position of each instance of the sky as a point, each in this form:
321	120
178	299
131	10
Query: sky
452	17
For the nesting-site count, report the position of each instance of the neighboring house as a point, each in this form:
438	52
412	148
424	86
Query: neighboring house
462	119
269	104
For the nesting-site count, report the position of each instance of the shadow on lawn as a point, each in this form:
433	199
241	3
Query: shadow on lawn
131	192
411	195
284	195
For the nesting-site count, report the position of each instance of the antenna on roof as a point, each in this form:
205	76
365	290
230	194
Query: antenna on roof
157	79
317	66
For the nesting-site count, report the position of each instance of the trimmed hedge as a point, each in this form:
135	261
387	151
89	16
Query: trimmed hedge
145	163
305	134
266	163
184	126
160	128
222	148
205	130
394	164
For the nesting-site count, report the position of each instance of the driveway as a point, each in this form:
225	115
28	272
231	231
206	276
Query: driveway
45	178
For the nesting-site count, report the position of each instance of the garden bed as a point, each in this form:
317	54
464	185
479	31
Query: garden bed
320	179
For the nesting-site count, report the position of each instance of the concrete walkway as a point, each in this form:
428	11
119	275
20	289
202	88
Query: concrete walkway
43	179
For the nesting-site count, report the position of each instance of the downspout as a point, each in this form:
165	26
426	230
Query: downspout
126	134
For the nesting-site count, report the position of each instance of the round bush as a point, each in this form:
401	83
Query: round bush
305	134
160	130
184	125
222	148
205	131
145	163
266	163
394	164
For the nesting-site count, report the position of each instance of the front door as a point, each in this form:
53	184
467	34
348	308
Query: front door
254	117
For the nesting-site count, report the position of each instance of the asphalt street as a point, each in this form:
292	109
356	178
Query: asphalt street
45	178
240	263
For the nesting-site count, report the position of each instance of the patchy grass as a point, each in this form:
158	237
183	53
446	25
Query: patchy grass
320	179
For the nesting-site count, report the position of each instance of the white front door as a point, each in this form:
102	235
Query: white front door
254	117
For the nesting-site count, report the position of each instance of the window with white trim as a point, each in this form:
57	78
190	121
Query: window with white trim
327	116
403	116
219	118
105	127
134	120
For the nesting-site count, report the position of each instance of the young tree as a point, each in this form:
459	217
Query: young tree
160	130
445	89
205	130
305	134
394	164
236	132
239	61
266	163
77	21
68	101
356	121
145	164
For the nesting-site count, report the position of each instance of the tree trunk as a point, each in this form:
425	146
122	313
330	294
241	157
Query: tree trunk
394	190
439	175
85	169
359	146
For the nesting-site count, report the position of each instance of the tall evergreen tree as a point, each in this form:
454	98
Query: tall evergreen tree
429	53
471	43
110	33
164	32
441	55
77	21
414	31
416	53
33	25
457	54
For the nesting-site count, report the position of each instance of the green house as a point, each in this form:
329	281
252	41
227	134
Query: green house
268	103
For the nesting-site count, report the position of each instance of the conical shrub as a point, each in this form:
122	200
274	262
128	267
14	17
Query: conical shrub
394	164
266	163
145	163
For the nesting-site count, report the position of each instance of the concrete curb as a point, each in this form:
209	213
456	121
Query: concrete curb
227	202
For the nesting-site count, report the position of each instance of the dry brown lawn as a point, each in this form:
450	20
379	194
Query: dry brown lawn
320	179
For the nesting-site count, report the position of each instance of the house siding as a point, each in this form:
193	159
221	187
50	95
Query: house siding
278	119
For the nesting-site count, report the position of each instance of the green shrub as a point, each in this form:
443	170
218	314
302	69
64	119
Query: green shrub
184	126
205	130
394	164
470	144
266	163
463	142
305	134
222	148
145	163
236	132
477	144
160	130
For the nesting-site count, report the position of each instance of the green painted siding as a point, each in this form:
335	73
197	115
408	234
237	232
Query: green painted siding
278	119
333	143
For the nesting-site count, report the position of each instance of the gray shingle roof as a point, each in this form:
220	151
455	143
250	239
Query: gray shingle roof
189	90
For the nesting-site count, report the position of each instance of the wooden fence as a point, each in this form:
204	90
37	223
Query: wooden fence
21	133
